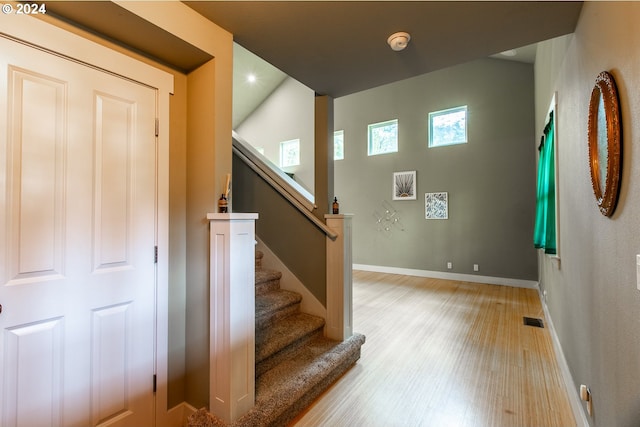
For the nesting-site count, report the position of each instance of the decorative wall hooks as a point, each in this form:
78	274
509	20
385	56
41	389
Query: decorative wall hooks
389	220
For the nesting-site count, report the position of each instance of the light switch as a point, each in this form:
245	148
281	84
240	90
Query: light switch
638	271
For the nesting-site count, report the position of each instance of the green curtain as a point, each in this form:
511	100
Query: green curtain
544	233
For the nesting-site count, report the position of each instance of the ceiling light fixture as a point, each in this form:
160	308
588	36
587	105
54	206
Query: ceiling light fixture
251	78
399	41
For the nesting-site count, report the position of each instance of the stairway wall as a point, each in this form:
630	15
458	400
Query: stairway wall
290	282
296	241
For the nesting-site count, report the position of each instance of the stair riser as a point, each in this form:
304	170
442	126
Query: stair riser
259	255
268	319
267	286
269	362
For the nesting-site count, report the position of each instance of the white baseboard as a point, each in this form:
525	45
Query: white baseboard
572	389
518	283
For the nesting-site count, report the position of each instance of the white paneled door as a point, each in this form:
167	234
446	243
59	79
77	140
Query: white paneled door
77	237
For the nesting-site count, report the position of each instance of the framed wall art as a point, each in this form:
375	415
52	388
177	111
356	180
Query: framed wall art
404	185
436	205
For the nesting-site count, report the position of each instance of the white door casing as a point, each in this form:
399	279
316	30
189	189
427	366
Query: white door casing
78	226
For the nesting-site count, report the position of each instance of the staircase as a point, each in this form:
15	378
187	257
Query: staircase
295	363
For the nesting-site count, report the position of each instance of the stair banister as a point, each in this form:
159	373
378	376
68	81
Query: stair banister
288	188
232	314
339	321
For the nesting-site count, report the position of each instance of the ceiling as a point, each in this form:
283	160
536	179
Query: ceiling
337	47
340	47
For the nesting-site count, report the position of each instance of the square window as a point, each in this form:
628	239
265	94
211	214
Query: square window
290	153
383	137
338	145
448	127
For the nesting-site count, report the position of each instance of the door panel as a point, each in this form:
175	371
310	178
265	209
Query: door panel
77	232
37	147
33	382
111	344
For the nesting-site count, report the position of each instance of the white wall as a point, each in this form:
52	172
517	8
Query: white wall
288	113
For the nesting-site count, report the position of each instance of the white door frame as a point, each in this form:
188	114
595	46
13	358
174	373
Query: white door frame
33	31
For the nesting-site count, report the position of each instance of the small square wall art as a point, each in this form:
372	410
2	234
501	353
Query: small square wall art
436	205
404	185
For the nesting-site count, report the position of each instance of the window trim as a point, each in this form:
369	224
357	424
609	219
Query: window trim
282	144
338	132
371	127
444	112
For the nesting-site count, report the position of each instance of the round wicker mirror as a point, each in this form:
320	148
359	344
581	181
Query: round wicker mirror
605	149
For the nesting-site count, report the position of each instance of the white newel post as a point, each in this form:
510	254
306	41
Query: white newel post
339	323
232	314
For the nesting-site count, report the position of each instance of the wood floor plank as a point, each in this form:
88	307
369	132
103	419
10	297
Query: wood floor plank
445	353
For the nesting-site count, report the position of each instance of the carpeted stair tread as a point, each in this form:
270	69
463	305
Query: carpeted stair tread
264	275
287	389
284	391
267	280
286	332
271	306
304	366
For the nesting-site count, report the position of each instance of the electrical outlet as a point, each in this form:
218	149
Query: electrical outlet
585	394
476	267
449	265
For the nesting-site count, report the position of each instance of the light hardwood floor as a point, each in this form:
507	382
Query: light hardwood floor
445	353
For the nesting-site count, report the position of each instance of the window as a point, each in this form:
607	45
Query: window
338	145
448	127
383	137
290	153
547	224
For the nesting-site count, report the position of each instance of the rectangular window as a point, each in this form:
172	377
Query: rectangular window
547	224
290	153
448	127
338	145
383	137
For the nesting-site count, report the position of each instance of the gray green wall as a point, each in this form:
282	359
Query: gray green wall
592	293
490	180
296	241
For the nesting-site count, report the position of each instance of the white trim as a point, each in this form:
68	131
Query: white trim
553	108
503	281
570	385
162	266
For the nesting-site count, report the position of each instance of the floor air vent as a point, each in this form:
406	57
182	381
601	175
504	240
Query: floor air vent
531	321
